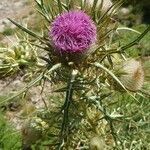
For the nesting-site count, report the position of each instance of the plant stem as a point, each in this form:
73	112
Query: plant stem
111	126
65	108
136	41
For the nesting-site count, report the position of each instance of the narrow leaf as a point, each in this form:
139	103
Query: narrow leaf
60	6
26	30
32	83
114	77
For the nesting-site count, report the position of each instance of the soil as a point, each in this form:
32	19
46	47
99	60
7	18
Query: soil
16	10
15	111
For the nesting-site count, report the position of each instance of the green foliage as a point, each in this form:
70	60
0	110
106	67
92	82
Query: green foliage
9	138
142	48
133	124
8	31
16	58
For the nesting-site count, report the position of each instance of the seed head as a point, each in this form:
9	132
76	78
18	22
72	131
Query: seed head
131	75
133	78
97	143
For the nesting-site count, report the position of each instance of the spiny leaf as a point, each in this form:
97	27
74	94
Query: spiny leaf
39	2
44	15
114	77
32	83
93	12
26	30
83	4
60	6
65	5
136	41
129	29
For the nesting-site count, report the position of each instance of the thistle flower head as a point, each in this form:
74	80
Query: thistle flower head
73	32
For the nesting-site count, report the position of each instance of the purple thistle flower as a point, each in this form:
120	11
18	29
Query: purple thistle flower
73	32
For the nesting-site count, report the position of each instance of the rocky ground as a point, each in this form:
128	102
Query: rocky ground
14	9
18	10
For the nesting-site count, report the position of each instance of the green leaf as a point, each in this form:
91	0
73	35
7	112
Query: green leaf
136	41
83	4
26	30
44	15
60	6
32	83
110	73
39	2
114	77
94	5
129	29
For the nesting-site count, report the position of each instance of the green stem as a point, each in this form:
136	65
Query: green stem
136	41
65	109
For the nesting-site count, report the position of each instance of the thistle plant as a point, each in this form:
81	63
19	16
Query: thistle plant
16	58
79	40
